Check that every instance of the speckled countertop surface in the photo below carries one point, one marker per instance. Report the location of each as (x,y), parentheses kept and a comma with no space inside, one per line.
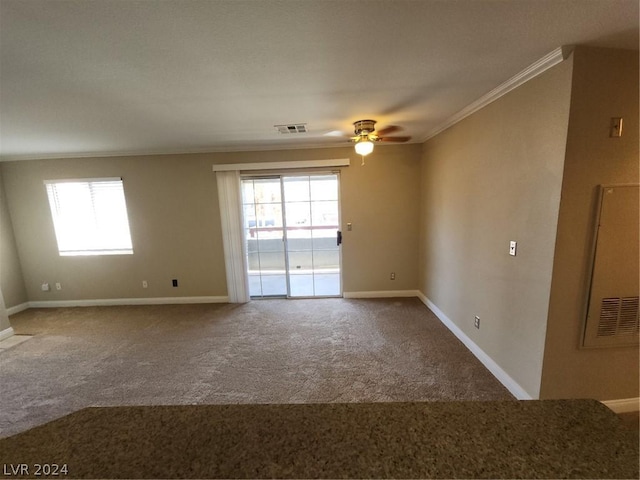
(510,439)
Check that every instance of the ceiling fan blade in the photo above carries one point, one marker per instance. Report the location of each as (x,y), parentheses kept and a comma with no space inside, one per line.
(387,130)
(394,139)
(336,133)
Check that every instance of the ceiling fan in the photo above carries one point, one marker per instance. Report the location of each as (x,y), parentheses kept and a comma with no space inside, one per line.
(366,135)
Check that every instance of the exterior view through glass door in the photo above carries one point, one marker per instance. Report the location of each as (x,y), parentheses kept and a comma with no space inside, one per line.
(292,232)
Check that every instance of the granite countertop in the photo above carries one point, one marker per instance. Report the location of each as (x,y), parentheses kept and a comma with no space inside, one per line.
(509,439)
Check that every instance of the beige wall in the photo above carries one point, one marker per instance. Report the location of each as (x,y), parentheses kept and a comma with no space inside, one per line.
(605,85)
(382,201)
(172,207)
(11,281)
(172,203)
(491,178)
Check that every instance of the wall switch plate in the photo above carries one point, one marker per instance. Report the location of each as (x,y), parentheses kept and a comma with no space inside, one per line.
(512,247)
(476,322)
(144,284)
(58,286)
(45,287)
(349,227)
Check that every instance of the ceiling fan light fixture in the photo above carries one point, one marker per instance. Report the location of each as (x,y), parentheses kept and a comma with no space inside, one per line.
(364,147)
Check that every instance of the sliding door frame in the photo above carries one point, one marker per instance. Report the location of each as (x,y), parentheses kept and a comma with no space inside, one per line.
(285,233)
(233,242)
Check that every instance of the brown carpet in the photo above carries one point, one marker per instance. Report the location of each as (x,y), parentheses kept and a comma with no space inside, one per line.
(535,439)
(275,351)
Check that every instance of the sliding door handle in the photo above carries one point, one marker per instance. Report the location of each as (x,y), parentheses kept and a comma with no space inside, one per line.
(339,238)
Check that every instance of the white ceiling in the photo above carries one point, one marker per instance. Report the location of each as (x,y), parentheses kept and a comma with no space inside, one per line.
(159,76)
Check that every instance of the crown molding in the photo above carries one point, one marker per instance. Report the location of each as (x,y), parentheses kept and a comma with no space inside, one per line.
(545,63)
(209,150)
(148,153)
(551,59)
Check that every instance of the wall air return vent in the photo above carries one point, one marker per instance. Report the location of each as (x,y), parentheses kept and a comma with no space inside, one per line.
(618,316)
(612,315)
(292,128)
(628,321)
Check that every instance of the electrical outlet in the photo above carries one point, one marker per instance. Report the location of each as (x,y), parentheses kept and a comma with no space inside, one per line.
(58,286)
(45,287)
(144,284)
(476,322)
(393,275)
(513,245)
(174,282)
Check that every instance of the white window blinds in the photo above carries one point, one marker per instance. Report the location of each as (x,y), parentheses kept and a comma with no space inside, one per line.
(90,216)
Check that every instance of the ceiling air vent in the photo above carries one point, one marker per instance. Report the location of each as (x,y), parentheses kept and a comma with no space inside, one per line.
(618,316)
(292,128)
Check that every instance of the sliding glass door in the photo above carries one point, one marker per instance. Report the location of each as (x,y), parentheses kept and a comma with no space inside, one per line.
(292,233)
(264,227)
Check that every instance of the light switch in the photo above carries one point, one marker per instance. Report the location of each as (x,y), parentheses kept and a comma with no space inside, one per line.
(512,247)
(349,227)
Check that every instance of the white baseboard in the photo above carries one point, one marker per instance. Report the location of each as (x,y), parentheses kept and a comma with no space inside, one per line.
(6,333)
(624,405)
(17,308)
(497,371)
(381,294)
(126,301)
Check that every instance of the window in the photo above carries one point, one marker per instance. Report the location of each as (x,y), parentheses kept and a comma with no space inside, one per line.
(90,216)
